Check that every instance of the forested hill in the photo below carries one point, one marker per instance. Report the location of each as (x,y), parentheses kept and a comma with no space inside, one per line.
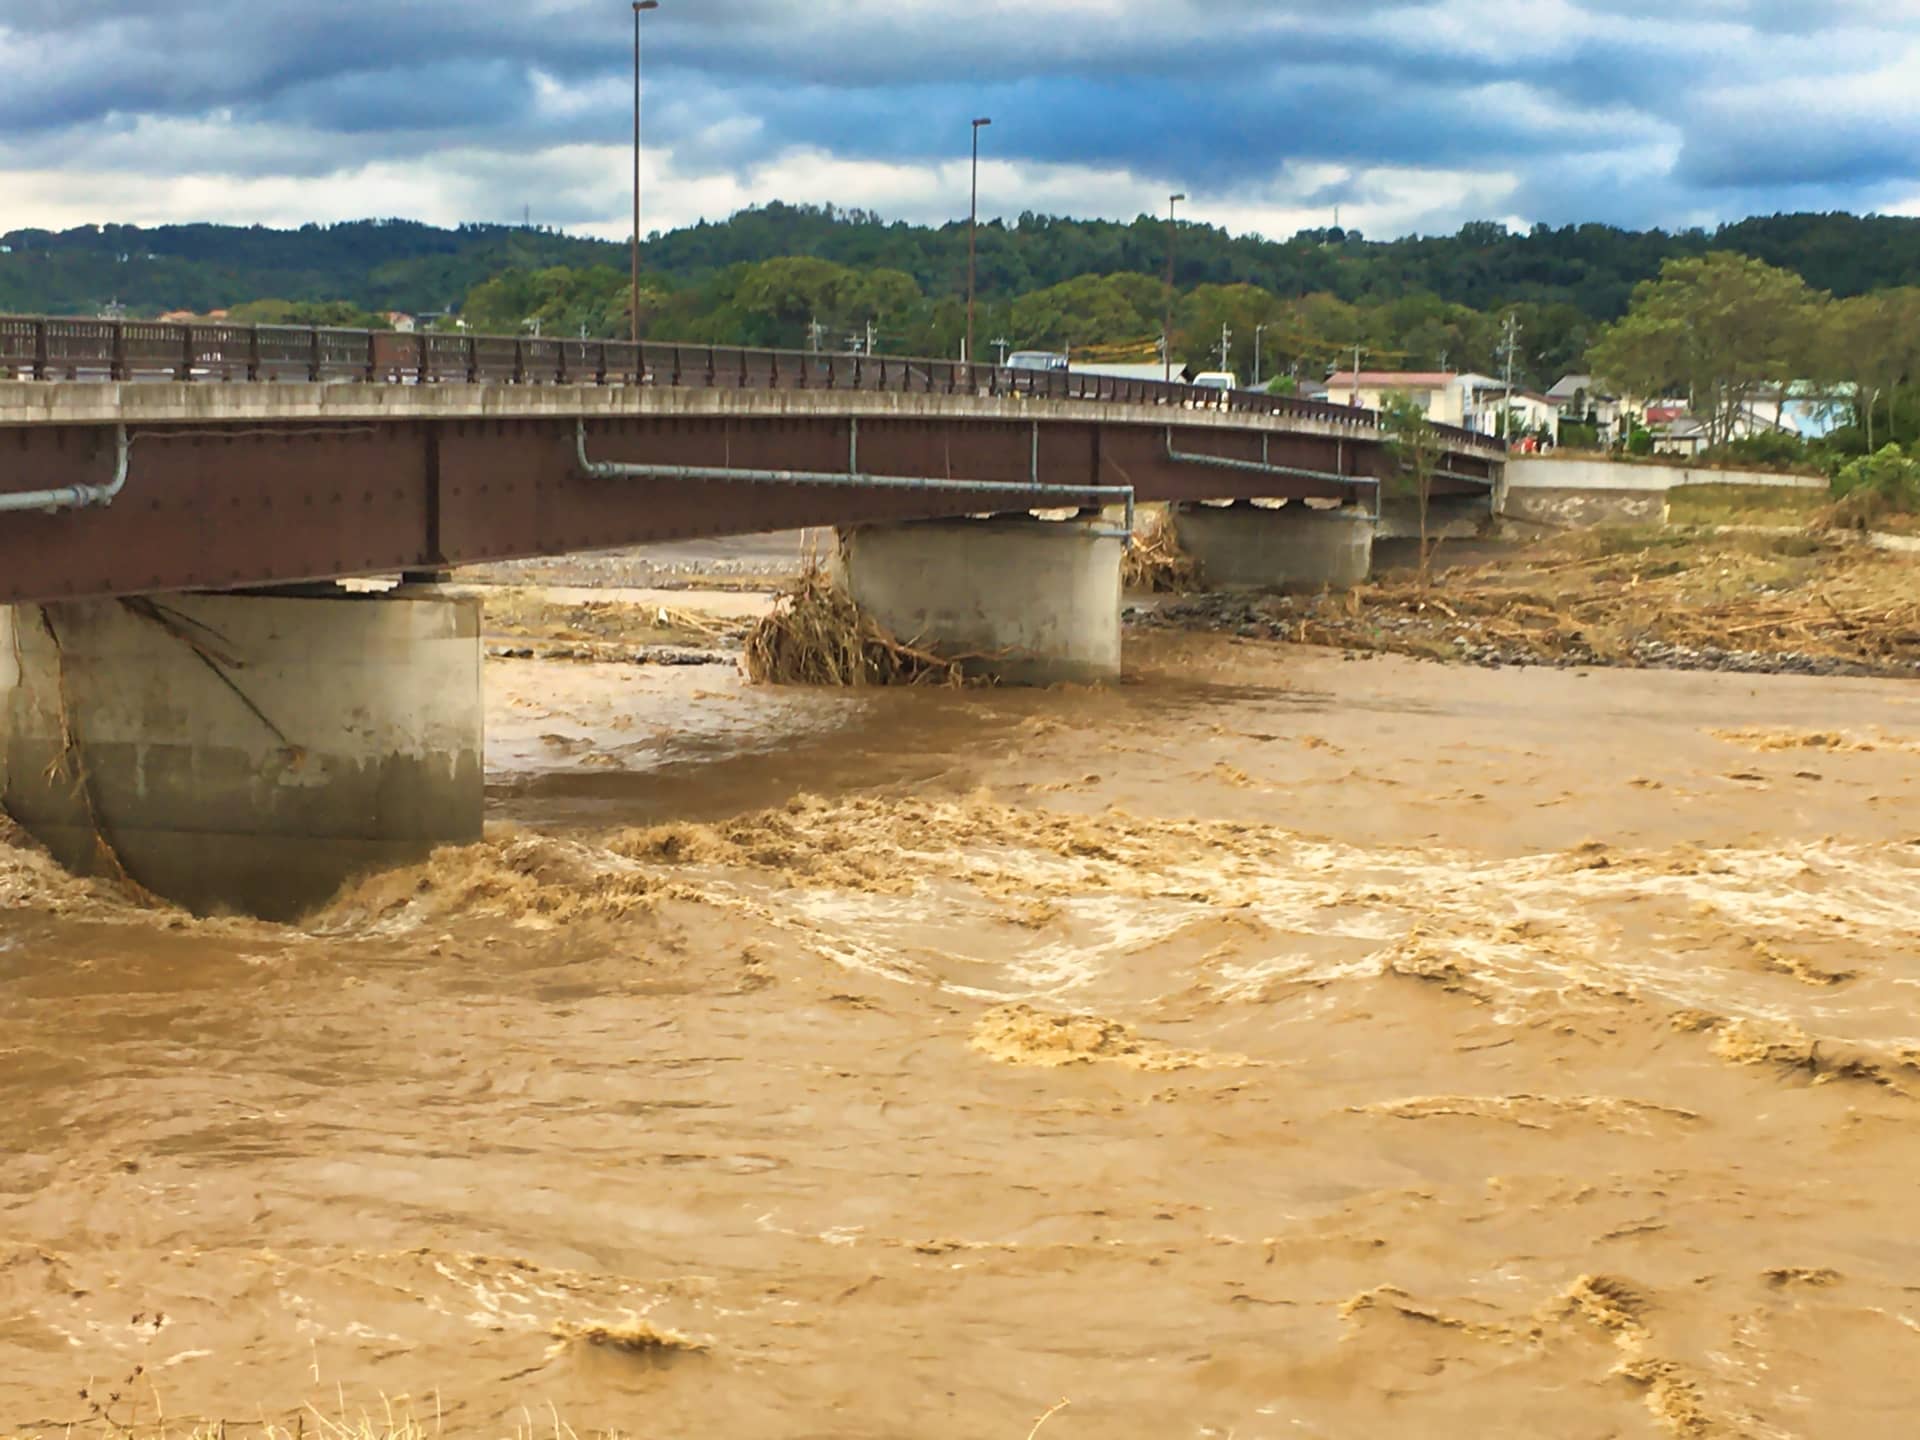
(376,264)
(402,265)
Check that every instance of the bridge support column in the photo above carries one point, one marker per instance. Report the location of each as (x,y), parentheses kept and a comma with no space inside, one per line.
(1396,543)
(1041,597)
(1296,547)
(244,752)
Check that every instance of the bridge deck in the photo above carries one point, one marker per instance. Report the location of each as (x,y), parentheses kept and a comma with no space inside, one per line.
(235,483)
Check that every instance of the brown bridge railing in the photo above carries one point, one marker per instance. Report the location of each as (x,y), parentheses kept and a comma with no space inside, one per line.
(43,348)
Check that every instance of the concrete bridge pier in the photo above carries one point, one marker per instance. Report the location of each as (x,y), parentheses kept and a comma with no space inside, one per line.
(1041,598)
(244,752)
(1396,541)
(1294,547)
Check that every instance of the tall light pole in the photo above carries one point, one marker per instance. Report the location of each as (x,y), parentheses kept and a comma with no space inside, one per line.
(633,297)
(973,225)
(1166,323)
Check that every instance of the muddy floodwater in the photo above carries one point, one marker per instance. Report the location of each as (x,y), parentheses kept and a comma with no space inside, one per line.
(1275,1045)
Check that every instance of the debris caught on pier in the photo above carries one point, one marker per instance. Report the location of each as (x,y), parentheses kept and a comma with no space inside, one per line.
(816,635)
(1155,564)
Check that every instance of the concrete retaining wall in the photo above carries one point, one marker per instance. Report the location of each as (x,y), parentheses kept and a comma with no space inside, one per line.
(1293,548)
(1575,493)
(1042,596)
(1576,509)
(1542,474)
(307,738)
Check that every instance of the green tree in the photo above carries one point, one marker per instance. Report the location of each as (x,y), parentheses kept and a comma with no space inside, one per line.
(1717,328)
(1093,310)
(1416,448)
(558,301)
(1868,346)
(1241,309)
(341,314)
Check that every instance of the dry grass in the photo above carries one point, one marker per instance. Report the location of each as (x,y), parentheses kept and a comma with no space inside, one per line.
(816,635)
(517,611)
(1783,505)
(1155,564)
(1867,509)
(1597,594)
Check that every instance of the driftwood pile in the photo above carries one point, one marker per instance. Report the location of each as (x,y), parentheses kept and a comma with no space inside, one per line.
(816,635)
(1155,564)
(1809,598)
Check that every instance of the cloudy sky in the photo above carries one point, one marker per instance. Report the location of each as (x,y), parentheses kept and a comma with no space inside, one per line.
(1409,115)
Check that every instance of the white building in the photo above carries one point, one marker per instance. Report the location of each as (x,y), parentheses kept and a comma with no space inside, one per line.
(1439,392)
(1460,398)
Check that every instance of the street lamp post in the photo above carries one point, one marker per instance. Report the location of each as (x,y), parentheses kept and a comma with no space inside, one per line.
(973,225)
(1166,323)
(633,296)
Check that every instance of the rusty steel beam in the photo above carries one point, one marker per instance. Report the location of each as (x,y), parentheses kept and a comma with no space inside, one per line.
(230,507)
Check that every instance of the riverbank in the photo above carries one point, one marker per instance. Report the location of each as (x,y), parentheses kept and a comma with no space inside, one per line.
(1666,598)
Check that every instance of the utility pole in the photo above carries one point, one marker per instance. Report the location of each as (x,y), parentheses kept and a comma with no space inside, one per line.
(633,297)
(1226,344)
(1000,343)
(1510,344)
(1356,374)
(1257,331)
(973,226)
(1166,323)
(815,331)
(869,337)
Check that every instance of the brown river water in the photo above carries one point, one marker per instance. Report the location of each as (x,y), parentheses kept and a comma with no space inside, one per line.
(1274,1045)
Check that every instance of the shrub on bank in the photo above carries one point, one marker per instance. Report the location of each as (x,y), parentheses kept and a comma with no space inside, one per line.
(1769,450)
(1876,486)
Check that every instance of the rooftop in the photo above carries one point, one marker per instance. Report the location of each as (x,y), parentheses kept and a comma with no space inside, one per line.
(1391,379)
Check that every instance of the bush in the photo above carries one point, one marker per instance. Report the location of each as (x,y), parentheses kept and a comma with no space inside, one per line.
(1875,486)
(1640,442)
(1845,440)
(1575,436)
(1769,450)
(1891,475)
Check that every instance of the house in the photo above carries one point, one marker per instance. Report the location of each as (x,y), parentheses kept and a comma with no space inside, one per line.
(1460,398)
(1674,430)
(1805,408)
(1580,401)
(1441,393)
(400,321)
(1526,412)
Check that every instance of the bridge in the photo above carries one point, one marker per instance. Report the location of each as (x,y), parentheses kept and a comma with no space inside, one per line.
(145,458)
(181,698)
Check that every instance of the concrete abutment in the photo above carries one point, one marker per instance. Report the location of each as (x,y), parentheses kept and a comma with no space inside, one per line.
(1039,599)
(245,752)
(1294,547)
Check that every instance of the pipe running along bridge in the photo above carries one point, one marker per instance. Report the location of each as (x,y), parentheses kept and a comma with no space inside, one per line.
(138,458)
(180,699)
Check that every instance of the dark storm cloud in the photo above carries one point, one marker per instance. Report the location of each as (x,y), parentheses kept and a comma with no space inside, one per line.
(1220,95)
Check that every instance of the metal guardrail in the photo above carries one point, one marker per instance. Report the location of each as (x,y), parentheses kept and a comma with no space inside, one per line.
(55,349)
